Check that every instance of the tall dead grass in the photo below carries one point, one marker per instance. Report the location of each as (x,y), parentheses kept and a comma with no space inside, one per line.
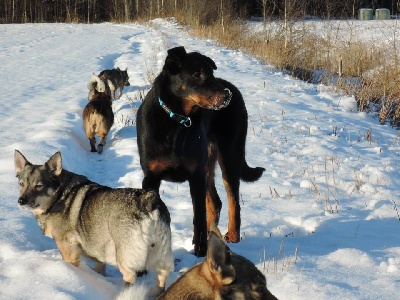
(366,70)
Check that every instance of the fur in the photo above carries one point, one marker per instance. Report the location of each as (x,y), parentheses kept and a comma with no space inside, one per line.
(126,227)
(98,118)
(115,79)
(96,85)
(222,275)
(188,121)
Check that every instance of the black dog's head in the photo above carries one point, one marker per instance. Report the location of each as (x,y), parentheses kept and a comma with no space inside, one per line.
(192,80)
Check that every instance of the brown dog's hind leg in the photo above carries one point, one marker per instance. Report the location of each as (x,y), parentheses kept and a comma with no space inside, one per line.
(102,142)
(100,148)
(92,142)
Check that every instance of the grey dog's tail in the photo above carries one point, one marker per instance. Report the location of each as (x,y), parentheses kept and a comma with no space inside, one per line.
(250,174)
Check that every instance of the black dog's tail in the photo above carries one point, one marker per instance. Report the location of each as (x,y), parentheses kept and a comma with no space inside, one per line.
(250,174)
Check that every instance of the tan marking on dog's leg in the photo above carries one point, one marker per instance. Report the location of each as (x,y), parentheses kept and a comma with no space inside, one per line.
(212,216)
(127,275)
(162,276)
(157,166)
(213,202)
(70,251)
(232,235)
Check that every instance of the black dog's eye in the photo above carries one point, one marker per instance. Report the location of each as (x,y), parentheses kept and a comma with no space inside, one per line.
(197,75)
(39,186)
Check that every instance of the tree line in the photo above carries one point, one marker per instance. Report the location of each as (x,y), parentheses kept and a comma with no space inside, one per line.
(204,11)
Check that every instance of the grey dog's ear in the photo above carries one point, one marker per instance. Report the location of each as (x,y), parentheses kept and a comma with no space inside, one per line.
(175,58)
(54,164)
(19,161)
(218,260)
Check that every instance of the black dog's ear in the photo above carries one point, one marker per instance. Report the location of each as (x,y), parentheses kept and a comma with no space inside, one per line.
(211,62)
(174,60)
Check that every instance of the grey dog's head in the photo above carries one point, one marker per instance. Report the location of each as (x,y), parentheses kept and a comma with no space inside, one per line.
(125,77)
(37,183)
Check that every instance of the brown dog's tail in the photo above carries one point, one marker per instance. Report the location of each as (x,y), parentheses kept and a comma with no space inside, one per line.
(250,174)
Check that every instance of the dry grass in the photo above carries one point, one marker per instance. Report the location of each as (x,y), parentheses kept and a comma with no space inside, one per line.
(369,72)
(280,263)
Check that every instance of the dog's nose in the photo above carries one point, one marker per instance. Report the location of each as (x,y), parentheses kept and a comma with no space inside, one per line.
(22,201)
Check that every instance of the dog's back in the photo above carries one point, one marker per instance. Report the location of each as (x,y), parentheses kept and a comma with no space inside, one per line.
(126,227)
(98,118)
(115,79)
(222,275)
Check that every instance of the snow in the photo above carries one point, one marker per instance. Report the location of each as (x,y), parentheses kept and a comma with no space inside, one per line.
(322,223)
(373,32)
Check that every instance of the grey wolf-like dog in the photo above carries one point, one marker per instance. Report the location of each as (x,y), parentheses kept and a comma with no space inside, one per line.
(115,79)
(126,227)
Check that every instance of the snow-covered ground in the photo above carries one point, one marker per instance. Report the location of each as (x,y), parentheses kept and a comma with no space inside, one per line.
(375,32)
(322,223)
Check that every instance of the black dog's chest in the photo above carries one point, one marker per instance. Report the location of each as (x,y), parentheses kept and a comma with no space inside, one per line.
(189,144)
(182,154)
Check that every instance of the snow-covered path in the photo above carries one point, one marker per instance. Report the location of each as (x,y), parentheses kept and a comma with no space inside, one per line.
(322,223)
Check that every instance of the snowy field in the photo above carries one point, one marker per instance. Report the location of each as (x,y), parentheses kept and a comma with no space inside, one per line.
(323,222)
(374,32)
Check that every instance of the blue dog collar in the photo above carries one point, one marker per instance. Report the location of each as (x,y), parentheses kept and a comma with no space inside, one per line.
(185,121)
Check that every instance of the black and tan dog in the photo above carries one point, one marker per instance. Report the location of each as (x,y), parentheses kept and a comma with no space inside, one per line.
(98,118)
(188,121)
(222,275)
(125,227)
(115,79)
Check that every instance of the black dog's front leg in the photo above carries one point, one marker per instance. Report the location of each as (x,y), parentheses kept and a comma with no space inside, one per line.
(151,182)
(198,194)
